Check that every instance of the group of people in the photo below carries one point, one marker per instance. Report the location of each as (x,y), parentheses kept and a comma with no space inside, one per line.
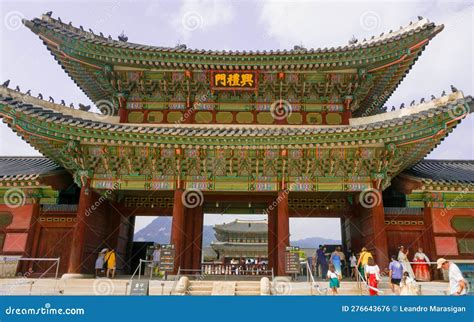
(403,277)
(106,263)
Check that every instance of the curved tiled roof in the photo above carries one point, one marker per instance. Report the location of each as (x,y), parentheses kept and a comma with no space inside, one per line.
(76,33)
(87,120)
(89,59)
(25,168)
(244,226)
(447,171)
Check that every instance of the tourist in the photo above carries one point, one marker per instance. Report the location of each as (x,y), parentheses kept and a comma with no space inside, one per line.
(457,283)
(422,267)
(353,263)
(395,274)
(334,278)
(110,260)
(403,258)
(99,263)
(156,257)
(336,259)
(321,261)
(408,285)
(372,275)
(364,257)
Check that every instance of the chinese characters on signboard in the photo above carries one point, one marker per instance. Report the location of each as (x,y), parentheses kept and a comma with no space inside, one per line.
(292,260)
(167,258)
(234,80)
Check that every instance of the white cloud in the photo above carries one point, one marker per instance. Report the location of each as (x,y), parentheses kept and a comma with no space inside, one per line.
(201,15)
(446,60)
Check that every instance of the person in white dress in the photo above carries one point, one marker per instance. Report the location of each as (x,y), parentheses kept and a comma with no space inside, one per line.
(408,285)
(403,259)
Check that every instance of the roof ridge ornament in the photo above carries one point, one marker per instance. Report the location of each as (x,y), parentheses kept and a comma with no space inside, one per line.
(123,37)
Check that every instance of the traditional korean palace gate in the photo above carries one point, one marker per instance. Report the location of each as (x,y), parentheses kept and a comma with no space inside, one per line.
(291,133)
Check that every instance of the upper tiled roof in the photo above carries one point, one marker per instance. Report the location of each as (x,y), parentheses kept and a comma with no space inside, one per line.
(244,226)
(25,168)
(448,171)
(69,30)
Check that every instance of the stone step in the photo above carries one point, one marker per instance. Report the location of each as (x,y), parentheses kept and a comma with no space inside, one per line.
(199,293)
(248,293)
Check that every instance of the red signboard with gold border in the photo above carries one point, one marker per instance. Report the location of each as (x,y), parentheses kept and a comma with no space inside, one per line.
(234,80)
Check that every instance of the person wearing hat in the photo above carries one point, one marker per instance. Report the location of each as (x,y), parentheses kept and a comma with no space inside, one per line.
(457,283)
(99,263)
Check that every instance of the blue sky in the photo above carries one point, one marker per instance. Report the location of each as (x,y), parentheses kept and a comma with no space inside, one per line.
(245,25)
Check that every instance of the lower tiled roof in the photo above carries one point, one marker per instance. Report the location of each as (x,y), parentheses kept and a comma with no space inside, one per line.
(448,171)
(25,168)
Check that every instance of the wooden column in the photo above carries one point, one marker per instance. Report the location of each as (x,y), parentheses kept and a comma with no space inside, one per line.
(272,239)
(77,248)
(32,239)
(188,238)
(283,229)
(177,228)
(379,234)
(197,242)
(428,239)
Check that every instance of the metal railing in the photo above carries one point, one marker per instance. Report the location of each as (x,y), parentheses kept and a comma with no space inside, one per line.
(27,279)
(313,284)
(175,282)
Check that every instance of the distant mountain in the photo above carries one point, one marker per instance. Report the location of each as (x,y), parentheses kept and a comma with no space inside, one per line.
(314,242)
(159,231)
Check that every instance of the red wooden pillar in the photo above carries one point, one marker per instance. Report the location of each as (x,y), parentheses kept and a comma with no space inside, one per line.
(379,234)
(197,242)
(177,228)
(272,239)
(77,248)
(283,229)
(188,238)
(428,238)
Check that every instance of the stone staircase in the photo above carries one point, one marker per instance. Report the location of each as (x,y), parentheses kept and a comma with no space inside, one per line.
(240,288)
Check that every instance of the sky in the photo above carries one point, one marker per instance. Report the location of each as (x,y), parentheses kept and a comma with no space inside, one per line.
(245,25)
